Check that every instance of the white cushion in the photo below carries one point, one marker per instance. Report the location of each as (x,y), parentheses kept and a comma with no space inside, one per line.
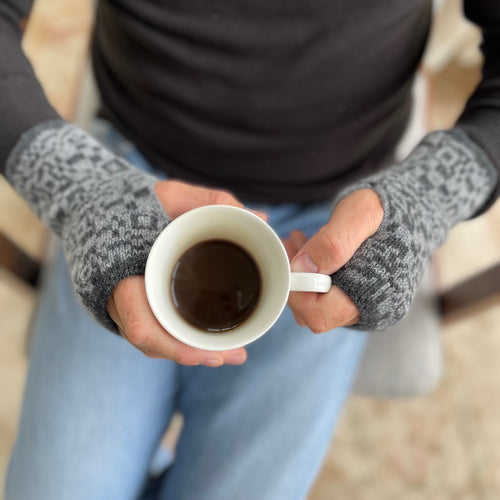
(405,360)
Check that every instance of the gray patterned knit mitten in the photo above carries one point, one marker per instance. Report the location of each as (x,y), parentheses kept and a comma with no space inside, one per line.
(445,180)
(104,209)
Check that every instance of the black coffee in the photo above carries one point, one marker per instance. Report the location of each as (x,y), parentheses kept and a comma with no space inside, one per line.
(215,285)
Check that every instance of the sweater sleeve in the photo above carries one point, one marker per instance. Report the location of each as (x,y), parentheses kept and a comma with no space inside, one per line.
(481,116)
(23,103)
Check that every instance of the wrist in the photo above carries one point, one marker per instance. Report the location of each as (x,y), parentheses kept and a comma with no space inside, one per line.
(62,172)
(443,181)
(104,209)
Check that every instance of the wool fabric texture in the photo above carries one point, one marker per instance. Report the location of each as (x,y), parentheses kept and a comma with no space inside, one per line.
(445,180)
(108,216)
(104,209)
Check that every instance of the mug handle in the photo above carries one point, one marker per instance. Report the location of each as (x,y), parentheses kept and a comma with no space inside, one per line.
(310,282)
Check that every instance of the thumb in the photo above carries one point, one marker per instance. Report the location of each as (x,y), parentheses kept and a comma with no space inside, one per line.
(356,218)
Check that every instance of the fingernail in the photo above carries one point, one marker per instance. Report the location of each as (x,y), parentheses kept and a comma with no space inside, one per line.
(236,359)
(303,264)
(212,362)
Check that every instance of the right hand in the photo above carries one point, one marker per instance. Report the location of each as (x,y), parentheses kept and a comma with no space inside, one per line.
(129,307)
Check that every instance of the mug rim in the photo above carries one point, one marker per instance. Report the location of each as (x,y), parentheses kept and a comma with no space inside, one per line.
(206,340)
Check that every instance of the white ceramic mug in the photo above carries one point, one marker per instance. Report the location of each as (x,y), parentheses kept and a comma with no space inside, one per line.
(237,225)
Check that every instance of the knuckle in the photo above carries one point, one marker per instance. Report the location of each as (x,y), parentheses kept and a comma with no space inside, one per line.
(372,208)
(136,334)
(318,324)
(176,354)
(149,353)
(337,248)
(181,357)
(222,198)
(301,303)
(345,315)
(298,319)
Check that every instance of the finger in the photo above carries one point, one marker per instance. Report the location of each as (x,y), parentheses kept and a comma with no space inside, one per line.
(356,218)
(178,197)
(258,213)
(298,318)
(141,328)
(298,238)
(324,312)
(294,243)
(290,249)
(113,313)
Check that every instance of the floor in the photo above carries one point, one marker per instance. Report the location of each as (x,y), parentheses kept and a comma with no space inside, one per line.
(440,447)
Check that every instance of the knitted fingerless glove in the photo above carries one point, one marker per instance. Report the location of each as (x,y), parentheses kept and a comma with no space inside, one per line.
(445,180)
(104,209)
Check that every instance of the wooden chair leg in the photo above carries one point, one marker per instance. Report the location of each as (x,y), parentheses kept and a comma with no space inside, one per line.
(18,262)
(474,294)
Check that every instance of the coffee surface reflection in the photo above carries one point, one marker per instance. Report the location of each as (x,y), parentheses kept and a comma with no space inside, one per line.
(216,285)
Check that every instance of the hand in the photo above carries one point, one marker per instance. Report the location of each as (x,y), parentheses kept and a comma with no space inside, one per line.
(129,307)
(356,218)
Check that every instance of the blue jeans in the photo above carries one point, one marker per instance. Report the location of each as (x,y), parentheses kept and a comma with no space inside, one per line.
(95,408)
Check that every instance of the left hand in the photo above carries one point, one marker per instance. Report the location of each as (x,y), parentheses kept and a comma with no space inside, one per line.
(129,307)
(356,218)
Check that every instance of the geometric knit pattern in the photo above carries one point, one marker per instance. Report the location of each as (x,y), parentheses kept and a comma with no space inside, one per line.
(446,179)
(104,209)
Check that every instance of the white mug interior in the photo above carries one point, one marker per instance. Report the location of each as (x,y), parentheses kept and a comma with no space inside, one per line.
(226,223)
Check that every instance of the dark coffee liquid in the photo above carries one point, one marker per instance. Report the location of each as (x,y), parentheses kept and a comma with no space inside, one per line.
(215,285)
